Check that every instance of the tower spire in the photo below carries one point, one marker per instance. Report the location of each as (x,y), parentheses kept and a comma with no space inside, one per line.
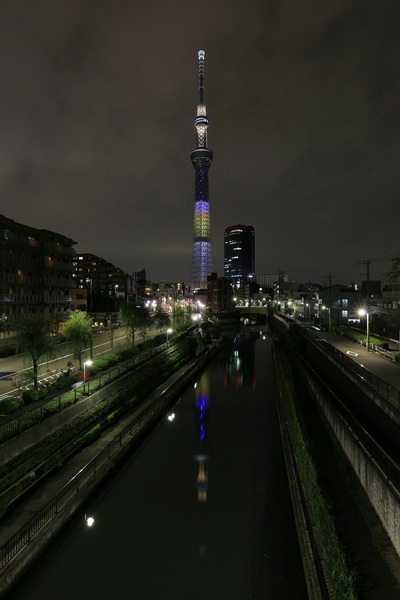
(201,158)
(201,55)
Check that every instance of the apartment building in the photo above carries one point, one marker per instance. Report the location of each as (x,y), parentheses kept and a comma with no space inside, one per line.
(36,267)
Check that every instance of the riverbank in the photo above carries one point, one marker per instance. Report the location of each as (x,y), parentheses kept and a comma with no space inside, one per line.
(14,525)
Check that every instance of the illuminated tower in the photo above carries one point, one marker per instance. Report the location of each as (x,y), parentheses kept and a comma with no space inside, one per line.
(201,158)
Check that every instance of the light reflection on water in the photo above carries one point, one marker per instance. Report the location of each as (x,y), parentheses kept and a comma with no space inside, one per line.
(201,511)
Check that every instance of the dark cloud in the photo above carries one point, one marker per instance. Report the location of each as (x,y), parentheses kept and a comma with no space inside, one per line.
(96,128)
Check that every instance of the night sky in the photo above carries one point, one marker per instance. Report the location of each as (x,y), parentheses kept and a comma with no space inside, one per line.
(97,106)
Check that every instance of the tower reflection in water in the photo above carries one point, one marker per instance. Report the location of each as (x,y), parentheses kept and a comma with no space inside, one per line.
(202,453)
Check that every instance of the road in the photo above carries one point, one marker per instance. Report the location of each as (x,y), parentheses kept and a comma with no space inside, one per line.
(14,369)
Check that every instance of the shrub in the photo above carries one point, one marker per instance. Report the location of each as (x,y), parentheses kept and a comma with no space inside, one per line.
(29,396)
(10,405)
(125,354)
(63,382)
(93,434)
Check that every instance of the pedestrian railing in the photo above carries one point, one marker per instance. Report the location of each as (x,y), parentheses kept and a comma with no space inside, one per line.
(158,403)
(379,385)
(30,417)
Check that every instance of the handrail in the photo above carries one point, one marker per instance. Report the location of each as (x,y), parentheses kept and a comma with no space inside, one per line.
(30,417)
(162,396)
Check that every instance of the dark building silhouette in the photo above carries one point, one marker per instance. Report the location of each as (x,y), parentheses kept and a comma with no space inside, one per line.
(219,293)
(239,254)
(106,285)
(138,283)
(201,158)
(36,267)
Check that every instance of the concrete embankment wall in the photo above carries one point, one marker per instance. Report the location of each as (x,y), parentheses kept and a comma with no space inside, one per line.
(31,436)
(26,554)
(383,497)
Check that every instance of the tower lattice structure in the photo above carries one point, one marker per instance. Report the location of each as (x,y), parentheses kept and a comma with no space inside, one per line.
(201,158)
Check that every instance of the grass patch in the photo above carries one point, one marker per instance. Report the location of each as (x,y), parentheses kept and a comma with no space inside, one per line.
(340,577)
(55,449)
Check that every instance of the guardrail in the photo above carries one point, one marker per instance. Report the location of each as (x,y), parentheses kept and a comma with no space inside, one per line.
(30,417)
(373,452)
(386,353)
(70,490)
(382,387)
(98,464)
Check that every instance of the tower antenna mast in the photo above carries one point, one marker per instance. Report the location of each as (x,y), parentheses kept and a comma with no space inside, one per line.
(201,56)
(201,158)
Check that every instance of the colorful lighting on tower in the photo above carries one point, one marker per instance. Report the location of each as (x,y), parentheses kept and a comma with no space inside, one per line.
(201,158)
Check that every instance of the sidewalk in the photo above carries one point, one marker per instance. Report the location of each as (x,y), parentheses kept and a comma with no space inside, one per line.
(12,522)
(376,363)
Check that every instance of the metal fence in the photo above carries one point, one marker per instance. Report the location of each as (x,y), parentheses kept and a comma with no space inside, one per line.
(30,417)
(157,403)
(85,475)
(372,451)
(382,387)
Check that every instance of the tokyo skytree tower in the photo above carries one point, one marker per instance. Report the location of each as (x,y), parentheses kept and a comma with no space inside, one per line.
(201,158)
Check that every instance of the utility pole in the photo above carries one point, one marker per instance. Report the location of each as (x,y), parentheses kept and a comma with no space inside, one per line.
(367,263)
(329,277)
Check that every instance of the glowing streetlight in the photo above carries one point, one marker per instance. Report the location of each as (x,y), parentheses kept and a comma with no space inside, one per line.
(363,312)
(89,521)
(169,331)
(86,363)
(309,311)
(115,296)
(90,280)
(329,316)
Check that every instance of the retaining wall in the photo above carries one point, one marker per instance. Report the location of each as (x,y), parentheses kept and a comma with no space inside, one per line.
(382,495)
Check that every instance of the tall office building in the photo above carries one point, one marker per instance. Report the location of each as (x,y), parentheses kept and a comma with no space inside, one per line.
(239,254)
(201,158)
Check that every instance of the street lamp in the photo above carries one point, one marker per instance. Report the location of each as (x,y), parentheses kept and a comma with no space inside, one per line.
(86,363)
(329,316)
(90,280)
(115,296)
(309,311)
(168,332)
(363,312)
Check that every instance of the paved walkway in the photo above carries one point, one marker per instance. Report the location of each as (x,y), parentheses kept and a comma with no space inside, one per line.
(384,368)
(14,520)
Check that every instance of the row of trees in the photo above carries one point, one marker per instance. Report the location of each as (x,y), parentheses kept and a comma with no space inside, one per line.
(36,340)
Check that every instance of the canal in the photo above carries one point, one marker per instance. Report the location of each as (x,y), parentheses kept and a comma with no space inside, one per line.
(202,510)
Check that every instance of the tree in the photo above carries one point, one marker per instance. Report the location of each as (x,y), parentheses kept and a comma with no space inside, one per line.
(160,319)
(178,314)
(133,317)
(34,339)
(78,330)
